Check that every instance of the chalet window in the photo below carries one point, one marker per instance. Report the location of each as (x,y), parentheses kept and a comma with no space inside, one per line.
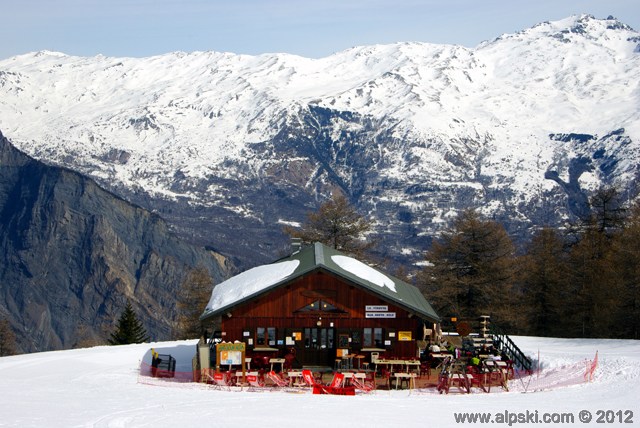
(319,338)
(367,337)
(377,337)
(260,336)
(266,336)
(372,337)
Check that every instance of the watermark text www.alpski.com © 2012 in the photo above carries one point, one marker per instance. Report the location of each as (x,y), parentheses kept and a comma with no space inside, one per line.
(536,417)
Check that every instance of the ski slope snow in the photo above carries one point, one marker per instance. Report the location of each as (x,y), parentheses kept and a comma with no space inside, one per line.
(102,387)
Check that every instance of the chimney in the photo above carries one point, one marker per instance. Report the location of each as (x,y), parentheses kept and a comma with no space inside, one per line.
(296,245)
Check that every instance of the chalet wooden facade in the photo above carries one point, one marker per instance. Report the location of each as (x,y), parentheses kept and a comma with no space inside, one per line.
(321,305)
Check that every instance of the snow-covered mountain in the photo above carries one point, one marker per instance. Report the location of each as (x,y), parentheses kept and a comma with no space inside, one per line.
(229,147)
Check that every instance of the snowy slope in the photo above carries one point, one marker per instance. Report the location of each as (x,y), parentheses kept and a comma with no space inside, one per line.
(99,387)
(407,127)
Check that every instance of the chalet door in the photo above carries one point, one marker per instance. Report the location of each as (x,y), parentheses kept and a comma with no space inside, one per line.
(319,346)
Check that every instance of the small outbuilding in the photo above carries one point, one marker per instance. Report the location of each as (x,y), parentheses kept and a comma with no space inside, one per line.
(321,306)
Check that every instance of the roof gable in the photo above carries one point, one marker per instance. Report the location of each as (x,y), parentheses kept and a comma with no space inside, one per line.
(261,279)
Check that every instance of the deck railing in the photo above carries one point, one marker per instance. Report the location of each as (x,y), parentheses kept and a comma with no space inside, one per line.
(502,341)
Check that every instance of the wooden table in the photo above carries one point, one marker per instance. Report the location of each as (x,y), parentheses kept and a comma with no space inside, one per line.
(440,357)
(412,363)
(392,363)
(280,361)
(295,378)
(410,377)
(349,375)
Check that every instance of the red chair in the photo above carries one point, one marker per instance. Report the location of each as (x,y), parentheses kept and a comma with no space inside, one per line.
(277,380)
(478,378)
(260,362)
(336,387)
(222,380)
(337,381)
(363,385)
(425,368)
(308,378)
(256,381)
(385,374)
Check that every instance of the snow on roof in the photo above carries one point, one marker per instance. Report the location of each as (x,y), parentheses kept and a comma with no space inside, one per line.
(364,272)
(249,282)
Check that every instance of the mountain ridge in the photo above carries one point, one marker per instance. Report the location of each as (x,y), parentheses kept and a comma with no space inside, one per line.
(411,132)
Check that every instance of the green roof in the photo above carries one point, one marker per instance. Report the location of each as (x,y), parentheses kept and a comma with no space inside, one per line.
(257,281)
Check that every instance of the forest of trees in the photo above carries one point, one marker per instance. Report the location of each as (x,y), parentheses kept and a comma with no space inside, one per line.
(579,281)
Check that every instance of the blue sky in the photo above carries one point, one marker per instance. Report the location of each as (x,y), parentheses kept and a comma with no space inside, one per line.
(309,28)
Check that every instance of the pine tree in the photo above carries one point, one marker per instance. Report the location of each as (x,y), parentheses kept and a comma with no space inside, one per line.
(607,210)
(594,286)
(129,329)
(336,224)
(596,282)
(544,284)
(470,270)
(626,260)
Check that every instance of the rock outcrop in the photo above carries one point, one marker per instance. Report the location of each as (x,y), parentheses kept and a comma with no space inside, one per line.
(72,254)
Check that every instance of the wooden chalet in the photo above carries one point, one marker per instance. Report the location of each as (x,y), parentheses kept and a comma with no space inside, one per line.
(321,305)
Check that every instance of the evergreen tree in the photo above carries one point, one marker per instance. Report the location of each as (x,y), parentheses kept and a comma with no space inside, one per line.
(470,270)
(626,264)
(593,287)
(336,224)
(544,284)
(7,339)
(607,210)
(195,293)
(596,284)
(129,329)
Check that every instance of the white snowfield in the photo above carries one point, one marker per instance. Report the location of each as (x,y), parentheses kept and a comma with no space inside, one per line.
(100,387)
(139,121)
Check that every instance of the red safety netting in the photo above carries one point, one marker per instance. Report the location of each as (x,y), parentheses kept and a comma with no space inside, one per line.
(147,371)
(556,377)
(525,381)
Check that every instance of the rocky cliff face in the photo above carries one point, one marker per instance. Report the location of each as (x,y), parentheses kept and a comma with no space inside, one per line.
(72,253)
